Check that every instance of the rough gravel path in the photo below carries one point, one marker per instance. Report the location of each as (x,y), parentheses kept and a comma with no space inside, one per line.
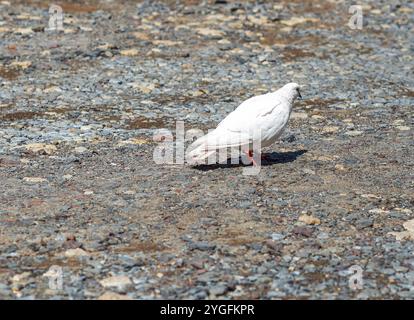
(80,194)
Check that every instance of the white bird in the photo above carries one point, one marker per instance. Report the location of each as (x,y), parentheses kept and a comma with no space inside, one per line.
(259,120)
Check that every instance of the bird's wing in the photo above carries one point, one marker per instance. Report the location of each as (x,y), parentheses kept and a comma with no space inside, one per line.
(250,114)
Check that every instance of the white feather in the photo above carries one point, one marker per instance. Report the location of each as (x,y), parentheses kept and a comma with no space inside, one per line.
(258,119)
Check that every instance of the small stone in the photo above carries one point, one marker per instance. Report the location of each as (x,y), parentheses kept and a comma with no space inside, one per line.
(403,128)
(119,282)
(34,179)
(339,167)
(80,150)
(129,52)
(330,129)
(324,158)
(85,128)
(354,133)
(277,236)
(309,219)
(25,16)
(273,245)
(198,264)
(23,31)
(308,171)
(38,29)
(167,43)
(143,87)
(323,236)
(378,211)
(21,64)
(141,35)
(41,148)
(404,210)
(88,192)
(290,138)
(215,34)
(318,117)
(298,20)
(225,44)
(304,231)
(78,252)
(409,225)
(108,295)
(218,290)
(370,195)
(406,10)
(198,93)
(260,21)
(52,89)
(403,235)
(20,277)
(69,30)
(364,223)
(87,29)
(202,245)
(299,115)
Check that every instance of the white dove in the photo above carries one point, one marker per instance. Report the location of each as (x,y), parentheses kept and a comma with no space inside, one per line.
(259,120)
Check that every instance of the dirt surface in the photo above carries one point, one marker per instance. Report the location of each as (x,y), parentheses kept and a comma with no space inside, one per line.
(83,202)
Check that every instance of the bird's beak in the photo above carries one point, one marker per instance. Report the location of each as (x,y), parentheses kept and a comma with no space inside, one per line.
(299,95)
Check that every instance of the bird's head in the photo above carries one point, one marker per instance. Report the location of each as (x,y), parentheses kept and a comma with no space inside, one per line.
(293,91)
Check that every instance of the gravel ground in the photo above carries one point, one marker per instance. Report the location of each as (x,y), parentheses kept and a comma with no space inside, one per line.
(82,201)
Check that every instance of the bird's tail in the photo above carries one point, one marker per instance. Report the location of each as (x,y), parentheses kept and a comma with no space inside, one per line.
(213,145)
(201,149)
(199,152)
(198,155)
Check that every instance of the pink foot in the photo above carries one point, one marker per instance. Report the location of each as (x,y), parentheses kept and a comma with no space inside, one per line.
(250,157)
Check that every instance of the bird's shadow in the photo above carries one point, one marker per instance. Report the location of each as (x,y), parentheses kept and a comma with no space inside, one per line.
(271,158)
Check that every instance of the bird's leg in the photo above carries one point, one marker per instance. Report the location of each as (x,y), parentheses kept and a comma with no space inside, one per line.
(249,154)
(252,158)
